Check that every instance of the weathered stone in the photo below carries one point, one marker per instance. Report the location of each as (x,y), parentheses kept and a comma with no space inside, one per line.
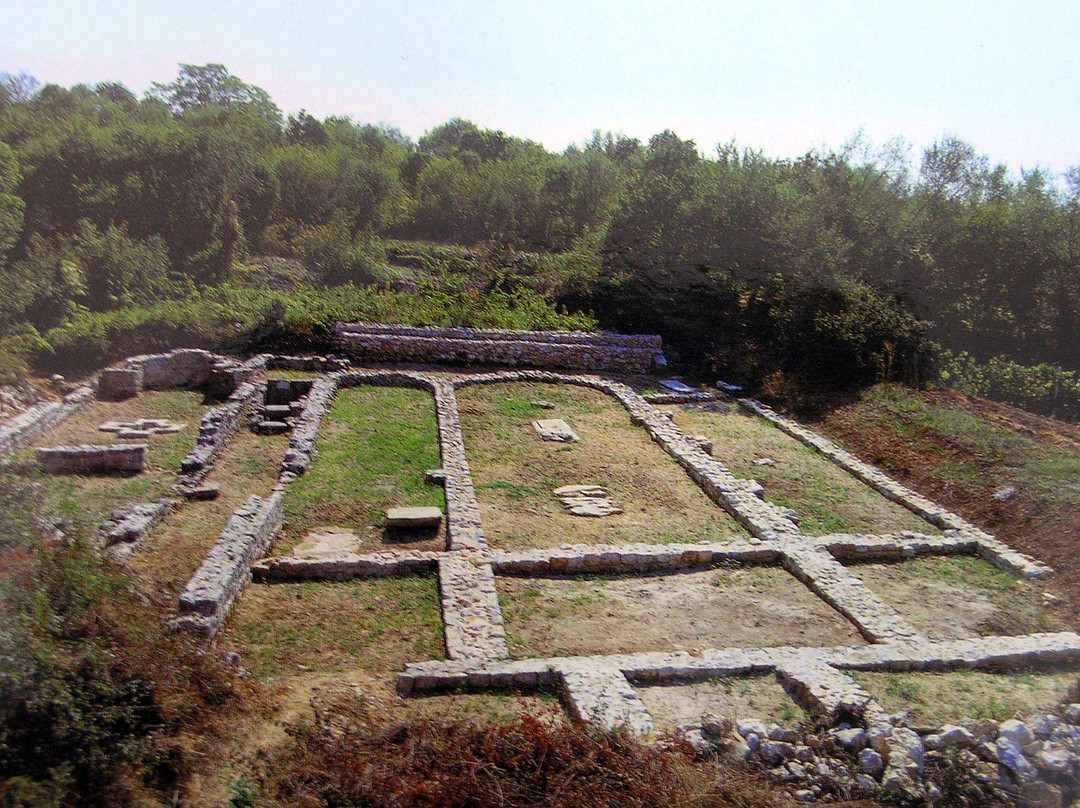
(1015,731)
(1011,756)
(555,429)
(1042,725)
(871,762)
(271,427)
(117,384)
(122,458)
(203,492)
(413,517)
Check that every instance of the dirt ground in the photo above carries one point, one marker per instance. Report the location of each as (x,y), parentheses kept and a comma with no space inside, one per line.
(734,698)
(827,499)
(515,472)
(712,608)
(173,551)
(959,450)
(952,597)
(932,699)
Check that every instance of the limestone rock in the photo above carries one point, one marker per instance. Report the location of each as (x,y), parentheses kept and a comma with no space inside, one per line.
(587,500)
(413,517)
(555,429)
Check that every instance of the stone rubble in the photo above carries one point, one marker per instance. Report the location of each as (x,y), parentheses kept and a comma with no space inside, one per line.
(35,421)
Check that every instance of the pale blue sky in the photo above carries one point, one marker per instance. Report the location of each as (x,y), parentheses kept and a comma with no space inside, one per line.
(782,76)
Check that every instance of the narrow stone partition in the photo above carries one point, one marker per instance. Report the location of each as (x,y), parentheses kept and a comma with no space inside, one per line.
(603,697)
(218,427)
(211,593)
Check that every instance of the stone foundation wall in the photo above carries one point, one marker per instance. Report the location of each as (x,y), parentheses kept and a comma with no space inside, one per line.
(117,384)
(309,364)
(34,422)
(92,459)
(188,368)
(209,596)
(218,427)
(538,349)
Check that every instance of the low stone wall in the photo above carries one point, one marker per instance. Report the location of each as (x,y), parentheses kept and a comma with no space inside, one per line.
(538,349)
(218,427)
(129,527)
(34,422)
(211,593)
(187,368)
(309,364)
(121,458)
(306,432)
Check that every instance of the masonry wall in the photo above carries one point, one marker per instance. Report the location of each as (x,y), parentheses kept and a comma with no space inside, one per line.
(536,349)
(39,419)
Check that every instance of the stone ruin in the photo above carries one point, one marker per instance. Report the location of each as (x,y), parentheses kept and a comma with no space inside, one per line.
(883,752)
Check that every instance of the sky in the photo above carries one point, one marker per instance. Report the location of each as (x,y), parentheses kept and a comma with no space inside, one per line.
(783,77)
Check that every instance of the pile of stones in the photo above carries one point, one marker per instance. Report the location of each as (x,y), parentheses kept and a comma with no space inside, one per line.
(1036,760)
(587,500)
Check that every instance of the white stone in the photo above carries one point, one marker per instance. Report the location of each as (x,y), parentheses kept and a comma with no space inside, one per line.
(555,429)
(1042,725)
(414,517)
(1015,731)
(1011,757)
(871,762)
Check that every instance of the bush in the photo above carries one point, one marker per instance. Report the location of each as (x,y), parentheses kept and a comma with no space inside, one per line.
(347,758)
(1041,388)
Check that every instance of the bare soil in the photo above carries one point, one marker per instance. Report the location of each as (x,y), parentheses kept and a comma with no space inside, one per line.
(953,597)
(733,698)
(515,472)
(687,611)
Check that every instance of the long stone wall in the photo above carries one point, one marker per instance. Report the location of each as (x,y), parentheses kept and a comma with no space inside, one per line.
(211,593)
(122,458)
(217,428)
(30,425)
(538,349)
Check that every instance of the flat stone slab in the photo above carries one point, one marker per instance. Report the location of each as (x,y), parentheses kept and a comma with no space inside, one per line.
(414,517)
(587,500)
(555,429)
(676,386)
(204,492)
(330,542)
(143,428)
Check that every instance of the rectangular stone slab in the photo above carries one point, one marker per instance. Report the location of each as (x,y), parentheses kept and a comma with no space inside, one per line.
(413,517)
(555,429)
(675,386)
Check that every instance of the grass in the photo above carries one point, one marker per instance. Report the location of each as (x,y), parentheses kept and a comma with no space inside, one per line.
(374,447)
(250,464)
(84,502)
(826,498)
(937,698)
(275,374)
(370,625)
(729,697)
(949,597)
(732,607)
(515,472)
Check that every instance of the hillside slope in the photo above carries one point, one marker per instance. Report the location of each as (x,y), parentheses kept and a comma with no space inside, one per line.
(962,451)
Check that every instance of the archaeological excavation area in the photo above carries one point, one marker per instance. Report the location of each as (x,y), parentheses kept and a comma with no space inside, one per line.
(478,522)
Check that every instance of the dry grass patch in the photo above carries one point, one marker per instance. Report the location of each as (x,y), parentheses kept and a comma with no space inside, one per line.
(172,553)
(940,698)
(366,625)
(684,611)
(279,374)
(83,502)
(373,449)
(731,697)
(952,597)
(827,499)
(514,472)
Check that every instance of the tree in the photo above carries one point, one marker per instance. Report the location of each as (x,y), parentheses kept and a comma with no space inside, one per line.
(11,206)
(201,86)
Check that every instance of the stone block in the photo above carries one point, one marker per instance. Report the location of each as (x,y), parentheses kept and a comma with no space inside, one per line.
(120,458)
(116,384)
(555,429)
(413,517)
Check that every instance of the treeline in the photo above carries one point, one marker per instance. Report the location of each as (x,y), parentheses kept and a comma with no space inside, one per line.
(834,269)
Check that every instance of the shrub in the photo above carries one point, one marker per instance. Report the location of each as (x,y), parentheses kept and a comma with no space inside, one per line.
(1041,388)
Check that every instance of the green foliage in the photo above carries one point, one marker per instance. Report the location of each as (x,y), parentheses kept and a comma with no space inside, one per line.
(1040,388)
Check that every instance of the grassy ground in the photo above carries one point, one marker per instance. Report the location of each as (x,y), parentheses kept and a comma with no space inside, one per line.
(951,597)
(960,451)
(827,499)
(373,450)
(372,626)
(740,607)
(515,472)
(936,698)
(279,373)
(250,464)
(731,697)
(84,502)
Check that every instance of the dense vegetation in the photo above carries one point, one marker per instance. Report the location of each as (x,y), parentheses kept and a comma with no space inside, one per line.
(835,269)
